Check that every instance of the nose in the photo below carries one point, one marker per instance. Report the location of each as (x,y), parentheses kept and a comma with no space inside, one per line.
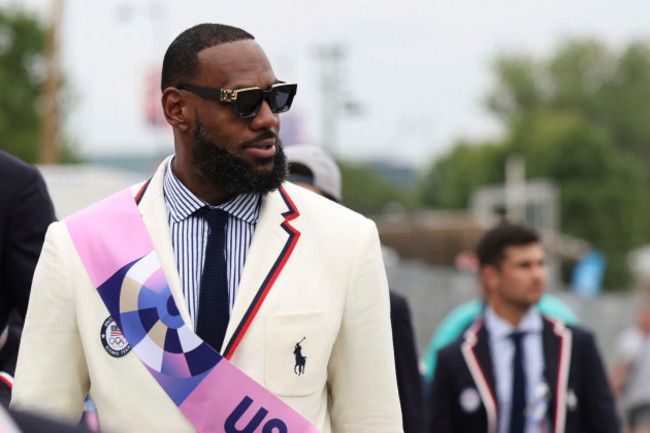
(265,119)
(540,272)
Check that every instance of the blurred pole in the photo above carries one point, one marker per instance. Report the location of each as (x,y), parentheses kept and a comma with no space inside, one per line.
(515,188)
(330,58)
(50,119)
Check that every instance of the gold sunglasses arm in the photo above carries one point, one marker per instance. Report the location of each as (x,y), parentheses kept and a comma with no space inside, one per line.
(228,95)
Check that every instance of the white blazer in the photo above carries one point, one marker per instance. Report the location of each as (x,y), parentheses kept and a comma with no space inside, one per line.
(331,289)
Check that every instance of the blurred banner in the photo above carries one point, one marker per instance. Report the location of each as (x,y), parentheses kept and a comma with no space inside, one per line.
(151,105)
(587,279)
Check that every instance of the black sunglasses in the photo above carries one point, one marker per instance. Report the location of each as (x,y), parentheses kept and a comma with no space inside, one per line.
(248,101)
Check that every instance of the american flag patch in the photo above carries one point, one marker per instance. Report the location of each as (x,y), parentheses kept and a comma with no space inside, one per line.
(115,331)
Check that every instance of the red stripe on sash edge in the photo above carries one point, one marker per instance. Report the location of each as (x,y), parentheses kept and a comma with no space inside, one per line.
(273,274)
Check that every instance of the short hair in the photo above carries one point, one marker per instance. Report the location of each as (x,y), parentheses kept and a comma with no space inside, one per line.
(491,248)
(181,62)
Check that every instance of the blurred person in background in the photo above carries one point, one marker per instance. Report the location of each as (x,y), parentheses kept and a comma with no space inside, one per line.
(631,373)
(12,421)
(214,291)
(312,168)
(25,213)
(515,370)
(461,317)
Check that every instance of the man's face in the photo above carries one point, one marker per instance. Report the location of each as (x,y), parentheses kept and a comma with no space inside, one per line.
(520,280)
(220,139)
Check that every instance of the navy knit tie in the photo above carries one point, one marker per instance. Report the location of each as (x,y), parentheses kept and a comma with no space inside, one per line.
(518,402)
(214,311)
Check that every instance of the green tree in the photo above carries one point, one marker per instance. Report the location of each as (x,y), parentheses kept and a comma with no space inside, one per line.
(22,76)
(602,190)
(603,195)
(609,88)
(22,41)
(452,179)
(579,118)
(367,192)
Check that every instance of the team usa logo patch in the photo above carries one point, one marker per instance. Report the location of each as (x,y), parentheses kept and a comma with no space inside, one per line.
(113,340)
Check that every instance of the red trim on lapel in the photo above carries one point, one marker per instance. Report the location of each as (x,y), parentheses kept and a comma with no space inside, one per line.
(140,193)
(480,379)
(564,359)
(273,274)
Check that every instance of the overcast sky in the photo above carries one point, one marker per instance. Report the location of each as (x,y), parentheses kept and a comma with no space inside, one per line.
(418,70)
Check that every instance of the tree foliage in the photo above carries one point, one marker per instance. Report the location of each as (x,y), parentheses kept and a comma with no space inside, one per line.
(579,118)
(23,71)
(610,89)
(367,192)
(22,41)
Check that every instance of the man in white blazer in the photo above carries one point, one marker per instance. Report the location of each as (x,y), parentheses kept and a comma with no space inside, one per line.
(309,310)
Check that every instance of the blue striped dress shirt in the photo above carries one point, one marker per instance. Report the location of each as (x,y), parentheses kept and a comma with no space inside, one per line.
(190,235)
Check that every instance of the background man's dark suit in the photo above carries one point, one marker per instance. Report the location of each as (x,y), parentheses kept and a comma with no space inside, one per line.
(590,406)
(409,381)
(30,423)
(25,213)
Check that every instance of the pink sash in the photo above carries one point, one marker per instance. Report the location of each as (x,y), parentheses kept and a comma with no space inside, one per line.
(214,395)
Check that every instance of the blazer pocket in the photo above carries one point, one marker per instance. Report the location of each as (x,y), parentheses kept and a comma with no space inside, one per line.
(297,353)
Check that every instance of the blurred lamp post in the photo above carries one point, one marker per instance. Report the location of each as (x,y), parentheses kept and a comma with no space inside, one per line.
(335,97)
(515,189)
(50,117)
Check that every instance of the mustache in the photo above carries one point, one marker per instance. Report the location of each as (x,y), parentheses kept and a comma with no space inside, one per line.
(262,136)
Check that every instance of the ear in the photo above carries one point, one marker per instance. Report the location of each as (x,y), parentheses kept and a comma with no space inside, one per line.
(489,277)
(177,112)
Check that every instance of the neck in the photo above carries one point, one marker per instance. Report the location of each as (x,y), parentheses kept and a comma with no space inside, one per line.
(200,186)
(510,313)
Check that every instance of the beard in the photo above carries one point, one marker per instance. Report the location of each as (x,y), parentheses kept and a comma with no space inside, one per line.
(230,172)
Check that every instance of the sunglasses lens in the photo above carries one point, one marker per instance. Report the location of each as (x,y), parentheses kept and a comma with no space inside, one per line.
(281,97)
(249,102)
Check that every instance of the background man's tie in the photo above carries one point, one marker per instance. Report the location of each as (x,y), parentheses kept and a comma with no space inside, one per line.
(518,403)
(214,311)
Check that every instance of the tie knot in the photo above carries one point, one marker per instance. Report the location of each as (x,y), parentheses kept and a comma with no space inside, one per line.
(517,336)
(215,217)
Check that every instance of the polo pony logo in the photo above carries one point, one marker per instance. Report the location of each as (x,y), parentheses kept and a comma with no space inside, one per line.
(300,360)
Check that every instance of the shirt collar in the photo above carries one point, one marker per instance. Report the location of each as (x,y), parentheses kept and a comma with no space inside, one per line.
(500,328)
(183,203)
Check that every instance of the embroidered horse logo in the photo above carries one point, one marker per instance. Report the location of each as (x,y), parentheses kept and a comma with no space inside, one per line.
(300,360)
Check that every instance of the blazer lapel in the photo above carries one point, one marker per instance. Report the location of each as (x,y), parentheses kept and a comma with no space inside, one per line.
(154,214)
(484,357)
(551,347)
(476,351)
(557,342)
(271,247)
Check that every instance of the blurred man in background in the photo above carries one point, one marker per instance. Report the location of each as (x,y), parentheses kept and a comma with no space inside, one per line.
(312,168)
(25,213)
(461,317)
(515,370)
(631,372)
